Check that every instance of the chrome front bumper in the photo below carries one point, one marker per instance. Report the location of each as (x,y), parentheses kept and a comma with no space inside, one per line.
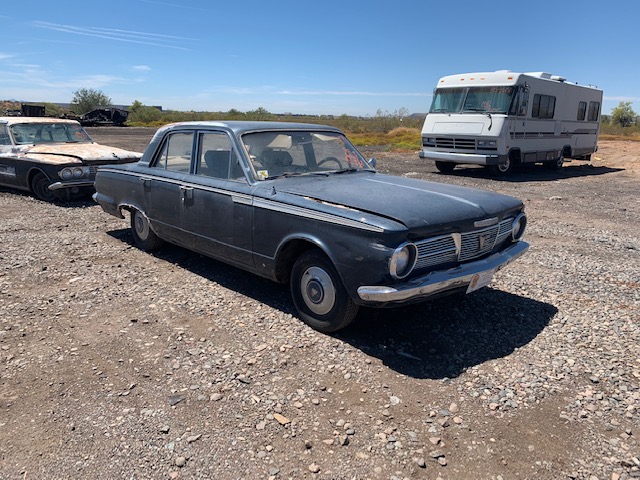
(71,184)
(469,158)
(435,283)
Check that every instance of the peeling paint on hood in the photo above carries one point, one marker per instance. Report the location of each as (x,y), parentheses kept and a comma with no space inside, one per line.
(66,153)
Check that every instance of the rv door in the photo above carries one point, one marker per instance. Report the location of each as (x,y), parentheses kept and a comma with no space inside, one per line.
(518,112)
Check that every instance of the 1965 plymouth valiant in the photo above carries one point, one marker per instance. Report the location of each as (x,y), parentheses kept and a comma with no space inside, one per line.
(298,203)
(53,158)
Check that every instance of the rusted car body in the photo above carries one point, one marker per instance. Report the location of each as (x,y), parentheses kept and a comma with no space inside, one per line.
(51,157)
(298,204)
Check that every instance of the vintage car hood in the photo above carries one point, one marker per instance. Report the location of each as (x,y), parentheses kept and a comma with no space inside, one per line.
(415,203)
(64,153)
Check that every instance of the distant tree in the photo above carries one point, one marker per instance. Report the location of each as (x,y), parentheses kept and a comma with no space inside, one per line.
(260,114)
(53,110)
(87,99)
(139,113)
(623,114)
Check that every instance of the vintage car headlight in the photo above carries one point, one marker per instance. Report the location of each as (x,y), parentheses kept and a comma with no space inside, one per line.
(518,227)
(403,260)
(68,173)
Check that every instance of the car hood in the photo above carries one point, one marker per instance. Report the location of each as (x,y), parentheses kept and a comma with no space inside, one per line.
(415,203)
(64,153)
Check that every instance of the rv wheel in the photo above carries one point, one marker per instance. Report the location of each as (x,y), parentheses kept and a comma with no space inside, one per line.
(554,164)
(503,168)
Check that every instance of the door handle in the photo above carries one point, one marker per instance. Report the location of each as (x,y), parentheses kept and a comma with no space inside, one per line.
(187,193)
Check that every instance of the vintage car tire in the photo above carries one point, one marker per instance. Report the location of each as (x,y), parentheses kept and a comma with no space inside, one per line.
(445,167)
(40,187)
(143,236)
(318,294)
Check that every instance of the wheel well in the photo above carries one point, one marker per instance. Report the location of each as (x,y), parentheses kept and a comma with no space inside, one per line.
(514,155)
(32,173)
(287,256)
(566,151)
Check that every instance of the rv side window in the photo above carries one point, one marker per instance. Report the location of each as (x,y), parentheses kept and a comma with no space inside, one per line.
(594,110)
(582,110)
(543,106)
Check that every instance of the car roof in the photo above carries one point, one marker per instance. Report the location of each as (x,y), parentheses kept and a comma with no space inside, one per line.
(240,126)
(15,120)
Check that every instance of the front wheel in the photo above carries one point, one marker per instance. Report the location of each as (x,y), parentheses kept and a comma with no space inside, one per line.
(143,236)
(445,167)
(318,294)
(503,168)
(40,187)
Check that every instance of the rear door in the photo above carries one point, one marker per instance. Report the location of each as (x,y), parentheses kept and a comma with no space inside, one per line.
(7,162)
(165,186)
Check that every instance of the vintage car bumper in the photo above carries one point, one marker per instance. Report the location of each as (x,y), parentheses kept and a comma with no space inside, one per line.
(71,184)
(439,282)
(470,158)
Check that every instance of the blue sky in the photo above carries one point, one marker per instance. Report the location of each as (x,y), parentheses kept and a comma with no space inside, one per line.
(329,57)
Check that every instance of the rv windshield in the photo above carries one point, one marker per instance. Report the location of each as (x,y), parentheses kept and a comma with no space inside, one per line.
(472,99)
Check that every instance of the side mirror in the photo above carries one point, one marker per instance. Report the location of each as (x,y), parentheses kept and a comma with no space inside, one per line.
(372,162)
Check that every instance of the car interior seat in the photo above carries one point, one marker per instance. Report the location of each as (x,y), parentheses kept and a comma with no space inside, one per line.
(217,163)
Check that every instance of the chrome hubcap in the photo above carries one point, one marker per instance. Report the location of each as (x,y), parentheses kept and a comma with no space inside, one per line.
(142,226)
(318,291)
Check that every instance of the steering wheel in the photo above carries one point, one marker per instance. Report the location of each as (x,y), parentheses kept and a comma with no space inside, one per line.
(330,159)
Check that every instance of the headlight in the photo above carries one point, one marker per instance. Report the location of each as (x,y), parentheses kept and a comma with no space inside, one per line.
(78,172)
(66,174)
(518,227)
(403,260)
(486,143)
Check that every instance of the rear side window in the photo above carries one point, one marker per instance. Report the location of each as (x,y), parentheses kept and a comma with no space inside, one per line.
(175,154)
(582,110)
(4,136)
(544,106)
(594,111)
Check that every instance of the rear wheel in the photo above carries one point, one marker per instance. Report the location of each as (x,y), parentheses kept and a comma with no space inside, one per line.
(318,294)
(445,167)
(554,164)
(40,187)
(142,234)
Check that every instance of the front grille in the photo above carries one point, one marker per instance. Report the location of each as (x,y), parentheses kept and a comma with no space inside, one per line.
(454,143)
(461,247)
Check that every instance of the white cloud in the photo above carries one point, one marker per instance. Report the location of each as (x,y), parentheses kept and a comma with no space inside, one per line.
(141,68)
(130,36)
(5,56)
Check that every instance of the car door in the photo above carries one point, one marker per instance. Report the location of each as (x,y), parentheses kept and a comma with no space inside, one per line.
(218,213)
(7,160)
(166,186)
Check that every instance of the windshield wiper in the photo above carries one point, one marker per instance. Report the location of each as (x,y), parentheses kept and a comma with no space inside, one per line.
(296,174)
(346,170)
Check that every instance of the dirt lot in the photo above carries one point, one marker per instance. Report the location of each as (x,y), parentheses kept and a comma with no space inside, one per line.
(120,364)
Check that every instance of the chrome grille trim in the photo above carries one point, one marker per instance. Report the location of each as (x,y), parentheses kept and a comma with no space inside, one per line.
(461,247)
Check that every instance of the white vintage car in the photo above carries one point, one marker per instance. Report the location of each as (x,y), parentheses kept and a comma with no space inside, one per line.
(51,157)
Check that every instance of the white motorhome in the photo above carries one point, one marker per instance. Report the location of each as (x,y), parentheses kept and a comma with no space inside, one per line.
(504,118)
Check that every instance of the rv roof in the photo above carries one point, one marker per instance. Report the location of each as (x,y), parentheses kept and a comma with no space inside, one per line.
(499,77)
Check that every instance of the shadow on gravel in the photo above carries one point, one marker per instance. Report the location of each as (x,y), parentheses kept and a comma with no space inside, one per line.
(437,340)
(534,173)
(443,338)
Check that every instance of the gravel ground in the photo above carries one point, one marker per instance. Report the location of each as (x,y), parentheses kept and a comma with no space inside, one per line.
(116,363)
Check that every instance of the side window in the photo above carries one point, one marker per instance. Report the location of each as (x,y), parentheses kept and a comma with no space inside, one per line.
(175,154)
(4,136)
(544,106)
(594,111)
(217,157)
(582,110)
(520,103)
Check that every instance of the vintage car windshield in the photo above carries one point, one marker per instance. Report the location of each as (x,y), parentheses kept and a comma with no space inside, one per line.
(39,133)
(494,99)
(299,152)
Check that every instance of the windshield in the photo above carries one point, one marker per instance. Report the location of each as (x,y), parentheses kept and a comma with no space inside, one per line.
(284,153)
(472,99)
(38,133)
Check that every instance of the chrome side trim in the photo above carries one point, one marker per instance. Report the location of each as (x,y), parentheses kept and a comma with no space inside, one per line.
(437,282)
(314,215)
(79,183)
